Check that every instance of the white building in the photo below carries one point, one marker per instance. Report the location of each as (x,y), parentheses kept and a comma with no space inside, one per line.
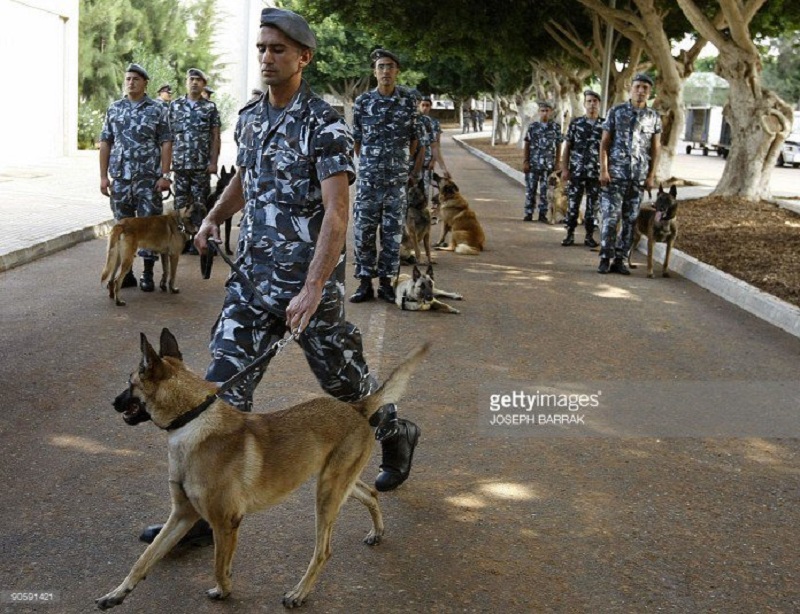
(39,64)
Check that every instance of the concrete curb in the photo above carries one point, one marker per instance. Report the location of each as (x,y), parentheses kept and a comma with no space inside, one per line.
(56,244)
(762,305)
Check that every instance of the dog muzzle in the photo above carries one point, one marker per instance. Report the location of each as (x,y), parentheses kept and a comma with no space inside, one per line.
(133,410)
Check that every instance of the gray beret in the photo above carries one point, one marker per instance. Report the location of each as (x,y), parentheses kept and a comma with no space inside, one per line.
(644,78)
(138,70)
(591,93)
(545,104)
(165,88)
(208,90)
(196,72)
(291,24)
(383,53)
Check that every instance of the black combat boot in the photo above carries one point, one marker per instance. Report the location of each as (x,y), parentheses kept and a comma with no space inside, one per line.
(364,291)
(619,267)
(570,238)
(398,452)
(146,280)
(385,290)
(528,218)
(199,535)
(129,281)
(543,218)
(589,240)
(605,265)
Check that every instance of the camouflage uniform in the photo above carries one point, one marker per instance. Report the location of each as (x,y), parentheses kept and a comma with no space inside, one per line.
(281,168)
(135,131)
(583,138)
(432,131)
(544,139)
(191,125)
(632,131)
(384,127)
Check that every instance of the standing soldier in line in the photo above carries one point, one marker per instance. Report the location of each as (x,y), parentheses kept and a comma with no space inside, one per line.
(582,168)
(629,153)
(542,149)
(433,149)
(386,129)
(165,94)
(195,125)
(136,152)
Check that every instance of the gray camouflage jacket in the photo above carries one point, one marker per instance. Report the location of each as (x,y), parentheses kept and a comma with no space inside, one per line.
(583,138)
(136,132)
(632,132)
(282,167)
(384,127)
(544,138)
(191,126)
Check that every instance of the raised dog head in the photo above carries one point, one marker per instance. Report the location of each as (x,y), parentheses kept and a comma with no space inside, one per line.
(222,183)
(666,204)
(448,188)
(416,196)
(422,288)
(143,384)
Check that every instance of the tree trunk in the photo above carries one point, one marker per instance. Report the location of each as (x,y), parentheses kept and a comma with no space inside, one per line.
(760,122)
(669,105)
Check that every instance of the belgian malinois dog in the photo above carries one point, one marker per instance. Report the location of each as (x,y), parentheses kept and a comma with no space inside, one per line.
(224,463)
(659,225)
(417,229)
(417,292)
(166,234)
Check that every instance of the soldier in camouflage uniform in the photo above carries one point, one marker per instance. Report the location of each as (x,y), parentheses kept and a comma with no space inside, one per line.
(629,152)
(542,157)
(136,152)
(386,129)
(294,165)
(195,126)
(433,150)
(165,94)
(582,170)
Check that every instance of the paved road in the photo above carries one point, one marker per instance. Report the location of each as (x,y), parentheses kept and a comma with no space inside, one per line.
(489,521)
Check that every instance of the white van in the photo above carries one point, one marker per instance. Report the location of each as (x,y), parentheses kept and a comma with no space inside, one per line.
(791,146)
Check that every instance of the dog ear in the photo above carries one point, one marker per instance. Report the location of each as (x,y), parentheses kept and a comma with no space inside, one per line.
(150,359)
(415,274)
(673,191)
(429,272)
(436,178)
(169,345)
(660,188)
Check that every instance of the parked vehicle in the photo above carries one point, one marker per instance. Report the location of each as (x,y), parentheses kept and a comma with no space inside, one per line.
(707,130)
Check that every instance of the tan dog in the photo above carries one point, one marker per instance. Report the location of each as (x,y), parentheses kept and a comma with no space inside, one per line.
(166,234)
(417,292)
(659,225)
(557,203)
(224,463)
(467,235)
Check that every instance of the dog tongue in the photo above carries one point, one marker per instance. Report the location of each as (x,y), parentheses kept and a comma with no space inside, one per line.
(658,216)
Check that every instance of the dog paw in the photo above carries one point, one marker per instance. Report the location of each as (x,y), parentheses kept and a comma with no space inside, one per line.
(373,538)
(294,598)
(458,297)
(175,290)
(113,598)
(649,276)
(455,311)
(217,594)
(665,274)
(120,303)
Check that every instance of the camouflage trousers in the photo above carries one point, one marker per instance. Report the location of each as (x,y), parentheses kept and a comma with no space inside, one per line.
(619,203)
(378,207)
(136,198)
(192,188)
(536,180)
(332,346)
(578,186)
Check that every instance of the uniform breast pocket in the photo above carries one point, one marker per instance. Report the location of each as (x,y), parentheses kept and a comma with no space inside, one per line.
(292,177)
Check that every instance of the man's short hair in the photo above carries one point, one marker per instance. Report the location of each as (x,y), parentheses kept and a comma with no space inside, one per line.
(426,99)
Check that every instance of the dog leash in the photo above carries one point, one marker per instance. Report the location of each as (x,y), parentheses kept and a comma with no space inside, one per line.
(273,351)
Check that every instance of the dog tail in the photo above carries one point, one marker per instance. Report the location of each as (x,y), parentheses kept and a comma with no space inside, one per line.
(467,250)
(394,387)
(112,259)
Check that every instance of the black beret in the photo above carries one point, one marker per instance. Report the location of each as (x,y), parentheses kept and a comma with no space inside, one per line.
(291,24)
(591,93)
(426,99)
(196,72)
(545,104)
(383,53)
(644,78)
(165,88)
(138,70)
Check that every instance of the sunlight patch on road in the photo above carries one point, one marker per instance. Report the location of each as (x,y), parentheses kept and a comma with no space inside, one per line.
(511,491)
(82,444)
(607,291)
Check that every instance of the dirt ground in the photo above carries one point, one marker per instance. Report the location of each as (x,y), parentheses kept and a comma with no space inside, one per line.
(758,243)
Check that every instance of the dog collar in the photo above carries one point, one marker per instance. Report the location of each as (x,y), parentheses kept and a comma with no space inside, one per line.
(190,415)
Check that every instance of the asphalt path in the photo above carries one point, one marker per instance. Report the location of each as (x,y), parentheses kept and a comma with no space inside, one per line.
(489,521)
